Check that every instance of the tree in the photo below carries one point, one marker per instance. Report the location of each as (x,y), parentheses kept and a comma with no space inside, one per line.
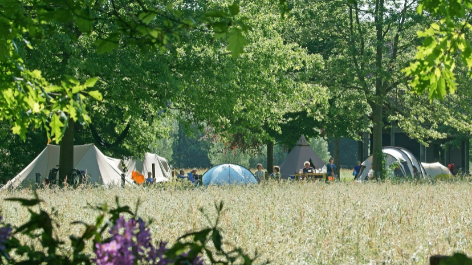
(320,146)
(370,42)
(346,109)
(244,100)
(218,154)
(433,70)
(113,24)
(192,150)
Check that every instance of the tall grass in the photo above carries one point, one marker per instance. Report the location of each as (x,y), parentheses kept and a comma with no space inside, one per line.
(293,223)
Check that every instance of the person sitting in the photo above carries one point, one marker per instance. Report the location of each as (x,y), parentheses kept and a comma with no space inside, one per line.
(149,178)
(259,174)
(308,168)
(182,175)
(276,174)
(194,173)
(357,168)
(370,175)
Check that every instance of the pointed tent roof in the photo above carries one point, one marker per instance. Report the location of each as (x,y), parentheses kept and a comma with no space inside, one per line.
(300,153)
(86,157)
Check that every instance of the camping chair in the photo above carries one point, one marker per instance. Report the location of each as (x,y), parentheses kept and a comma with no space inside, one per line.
(190,177)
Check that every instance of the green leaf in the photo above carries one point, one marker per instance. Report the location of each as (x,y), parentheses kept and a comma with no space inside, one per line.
(216,238)
(77,89)
(83,21)
(96,95)
(56,127)
(234,9)
(19,129)
(236,42)
(441,86)
(146,17)
(419,9)
(84,25)
(456,259)
(72,80)
(216,13)
(91,82)
(25,202)
(106,45)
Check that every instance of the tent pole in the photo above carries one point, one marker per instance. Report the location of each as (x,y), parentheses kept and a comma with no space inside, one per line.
(153,171)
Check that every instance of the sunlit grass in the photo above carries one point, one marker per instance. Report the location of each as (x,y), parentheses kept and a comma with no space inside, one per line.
(299,223)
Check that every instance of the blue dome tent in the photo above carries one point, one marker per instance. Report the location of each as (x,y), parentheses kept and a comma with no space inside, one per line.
(228,174)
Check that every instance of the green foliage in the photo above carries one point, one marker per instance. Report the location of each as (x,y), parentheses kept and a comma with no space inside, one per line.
(17,153)
(246,101)
(26,97)
(45,246)
(456,259)
(320,146)
(433,70)
(29,99)
(256,157)
(220,154)
(190,150)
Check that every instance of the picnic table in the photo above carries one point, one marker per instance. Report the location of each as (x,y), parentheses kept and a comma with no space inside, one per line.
(312,176)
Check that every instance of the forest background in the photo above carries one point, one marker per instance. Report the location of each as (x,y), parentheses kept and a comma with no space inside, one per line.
(242,77)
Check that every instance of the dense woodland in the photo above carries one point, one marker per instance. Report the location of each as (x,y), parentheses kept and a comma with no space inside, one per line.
(246,77)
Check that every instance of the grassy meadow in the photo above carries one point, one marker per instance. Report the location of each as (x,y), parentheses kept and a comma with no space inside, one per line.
(292,223)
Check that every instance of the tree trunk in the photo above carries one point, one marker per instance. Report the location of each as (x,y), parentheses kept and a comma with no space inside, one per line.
(371,142)
(337,158)
(360,150)
(179,146)
(270,157)
(379,98)
(365,149)
(66,155)
(377,141)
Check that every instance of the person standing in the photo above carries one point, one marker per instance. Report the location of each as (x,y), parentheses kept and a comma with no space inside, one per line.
(331,169)
(357,168)
(259,174)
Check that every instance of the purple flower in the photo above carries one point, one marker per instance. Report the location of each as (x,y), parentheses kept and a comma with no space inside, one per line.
(131,241)
(5,234)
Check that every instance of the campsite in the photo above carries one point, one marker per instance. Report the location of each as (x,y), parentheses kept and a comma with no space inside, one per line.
(138,132)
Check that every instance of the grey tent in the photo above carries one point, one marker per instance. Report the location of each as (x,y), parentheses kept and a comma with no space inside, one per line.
(393,154)
(435,169)
(300,153)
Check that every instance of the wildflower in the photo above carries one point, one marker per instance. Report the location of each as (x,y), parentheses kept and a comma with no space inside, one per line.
(5,234)
(131,241)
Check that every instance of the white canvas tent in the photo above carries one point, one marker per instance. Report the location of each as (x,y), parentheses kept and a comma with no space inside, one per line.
(87,157)
(434,169)
(300,153)
(114,161)
(394,154)
(162,169)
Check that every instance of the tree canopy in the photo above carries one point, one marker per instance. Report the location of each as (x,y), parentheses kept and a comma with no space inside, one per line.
(246,73)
